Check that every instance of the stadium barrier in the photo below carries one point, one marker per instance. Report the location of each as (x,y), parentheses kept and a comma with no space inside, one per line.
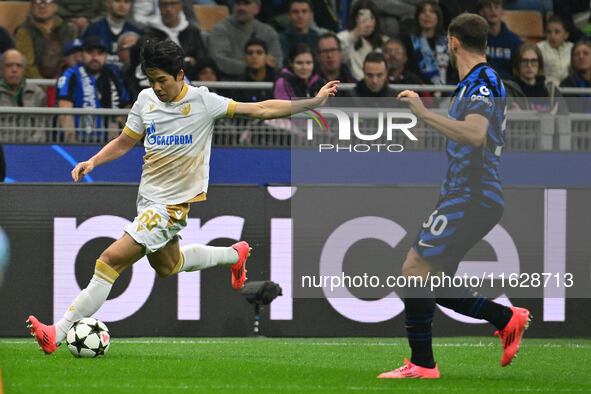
(56,232)
(342,86)
(525,130)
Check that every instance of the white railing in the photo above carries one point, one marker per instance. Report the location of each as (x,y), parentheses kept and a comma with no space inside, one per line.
(342,86)
(526,130)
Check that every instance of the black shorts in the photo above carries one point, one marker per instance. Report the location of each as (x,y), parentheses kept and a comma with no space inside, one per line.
(455,226)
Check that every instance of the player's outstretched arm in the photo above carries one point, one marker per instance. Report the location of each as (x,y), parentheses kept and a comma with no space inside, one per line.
(112,151)
(471,130)
(271,109)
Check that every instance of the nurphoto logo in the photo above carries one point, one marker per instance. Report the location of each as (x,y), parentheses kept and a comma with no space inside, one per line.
(387,126)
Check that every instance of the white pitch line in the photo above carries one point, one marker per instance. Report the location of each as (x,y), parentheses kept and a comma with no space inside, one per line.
(303,342)
(384,387)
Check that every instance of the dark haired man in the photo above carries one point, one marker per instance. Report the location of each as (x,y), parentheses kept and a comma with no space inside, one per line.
(395,53)
(329,56)
(173,24)
(257,70)
(300,16)
(375,78)
(177,122)
(227,38)
(470,205)
(502,42)
(112,27)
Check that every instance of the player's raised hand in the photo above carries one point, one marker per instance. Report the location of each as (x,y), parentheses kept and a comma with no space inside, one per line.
(81,169)
(328,90)
(413,100)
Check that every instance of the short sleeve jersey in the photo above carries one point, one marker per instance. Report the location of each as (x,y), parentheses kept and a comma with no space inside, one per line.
(473,172)
(177,141)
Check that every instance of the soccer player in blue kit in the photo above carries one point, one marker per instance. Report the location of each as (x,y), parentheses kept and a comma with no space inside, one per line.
(470,204)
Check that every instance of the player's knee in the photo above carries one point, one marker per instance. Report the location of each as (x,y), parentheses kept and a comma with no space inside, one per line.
(163,271)
(163,268)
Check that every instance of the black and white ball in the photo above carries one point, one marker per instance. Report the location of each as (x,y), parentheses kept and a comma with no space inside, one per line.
(88,338)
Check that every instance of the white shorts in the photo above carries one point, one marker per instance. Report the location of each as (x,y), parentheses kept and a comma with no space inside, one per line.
(157,224)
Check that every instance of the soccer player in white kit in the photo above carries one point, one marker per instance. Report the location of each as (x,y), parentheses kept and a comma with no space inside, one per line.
(177,122)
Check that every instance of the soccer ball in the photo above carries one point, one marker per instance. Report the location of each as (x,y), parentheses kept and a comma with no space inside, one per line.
(88,338)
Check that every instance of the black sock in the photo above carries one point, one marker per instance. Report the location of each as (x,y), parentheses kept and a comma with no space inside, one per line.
(471,303)
(418,323)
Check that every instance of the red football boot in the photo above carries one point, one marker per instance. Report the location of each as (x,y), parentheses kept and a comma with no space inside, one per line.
(512,333)
(239,268)
(45,335)
(411,371)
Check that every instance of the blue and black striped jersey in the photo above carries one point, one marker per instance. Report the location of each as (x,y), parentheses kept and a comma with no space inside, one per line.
(473,172)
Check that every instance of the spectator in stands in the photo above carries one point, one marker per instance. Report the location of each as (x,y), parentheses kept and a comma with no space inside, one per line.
(144,11)
(108,90)
(275,13)
(79,13)
(125,42)
(15,91)
(329,58)
(206,70)
(228,37)
(528,90)
(298,78)
(556,50)
(363,35)
(375,78)
(42,39)
(575,14)
(112,26)
(397,16)
(426,47)
(300,15)
(73,53)
(174,25)
(579,77)
(502,42)
(257,70)
(396,58)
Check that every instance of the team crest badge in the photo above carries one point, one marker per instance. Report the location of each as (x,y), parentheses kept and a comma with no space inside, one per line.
(185,109)
(152,107)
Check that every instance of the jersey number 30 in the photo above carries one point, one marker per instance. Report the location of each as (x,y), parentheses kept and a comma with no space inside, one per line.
(437,223)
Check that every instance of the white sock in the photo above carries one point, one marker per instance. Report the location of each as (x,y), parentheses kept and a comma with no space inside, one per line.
(89,300)
(200,257)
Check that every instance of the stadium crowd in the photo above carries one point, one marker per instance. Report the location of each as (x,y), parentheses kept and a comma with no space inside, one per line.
(92,50)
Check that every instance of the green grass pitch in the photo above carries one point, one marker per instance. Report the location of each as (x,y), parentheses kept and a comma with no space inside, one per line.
(282,365)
